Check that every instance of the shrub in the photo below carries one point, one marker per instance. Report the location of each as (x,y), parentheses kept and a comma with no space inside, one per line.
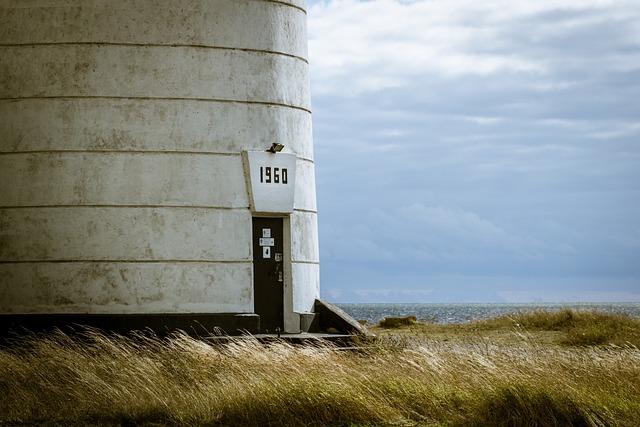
(520,405)
(595,328)
(397,322)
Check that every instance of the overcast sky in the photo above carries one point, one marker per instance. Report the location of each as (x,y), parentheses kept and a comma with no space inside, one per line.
(477,150)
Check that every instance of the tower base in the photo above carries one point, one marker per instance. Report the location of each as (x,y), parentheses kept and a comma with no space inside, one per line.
(196,324)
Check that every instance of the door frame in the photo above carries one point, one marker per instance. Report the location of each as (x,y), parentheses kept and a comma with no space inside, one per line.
(290,322)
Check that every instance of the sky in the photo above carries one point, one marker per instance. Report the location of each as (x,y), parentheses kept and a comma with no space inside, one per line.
(471,151)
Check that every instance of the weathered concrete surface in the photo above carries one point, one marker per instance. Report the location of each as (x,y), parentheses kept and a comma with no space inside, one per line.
(88,124)
(123,125)
(304,247)
(124,287)
(166,72)
(124,233)
(235,24)
(330,317)
(309,274)
(304,199)
(146,178)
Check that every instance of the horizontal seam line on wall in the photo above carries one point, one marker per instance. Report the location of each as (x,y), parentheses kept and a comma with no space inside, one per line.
(242,208)
(100,151)
(304,159)
(160,98)
(102,206)
(287,5)
(125,261)
(306,262)
(164,152)
(193,46)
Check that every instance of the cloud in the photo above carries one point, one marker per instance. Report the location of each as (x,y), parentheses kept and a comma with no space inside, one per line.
(450,233)
(476,139)
(361,46)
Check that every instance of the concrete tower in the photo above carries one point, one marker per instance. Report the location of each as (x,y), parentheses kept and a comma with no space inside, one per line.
(136,185)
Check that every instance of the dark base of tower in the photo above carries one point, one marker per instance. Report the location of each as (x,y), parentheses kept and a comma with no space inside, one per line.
(326,318)
(197,325)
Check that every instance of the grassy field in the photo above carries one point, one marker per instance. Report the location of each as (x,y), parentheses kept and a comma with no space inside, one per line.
(528,369)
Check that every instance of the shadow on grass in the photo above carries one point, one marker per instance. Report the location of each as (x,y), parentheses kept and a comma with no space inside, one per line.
(518,406)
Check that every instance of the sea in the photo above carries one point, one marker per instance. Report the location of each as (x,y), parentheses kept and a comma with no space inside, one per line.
(464,313)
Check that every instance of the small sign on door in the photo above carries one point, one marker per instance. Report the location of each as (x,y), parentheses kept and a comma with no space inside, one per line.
(267,241)
(266,252)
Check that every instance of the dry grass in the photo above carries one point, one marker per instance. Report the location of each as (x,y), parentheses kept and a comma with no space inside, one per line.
(402,379)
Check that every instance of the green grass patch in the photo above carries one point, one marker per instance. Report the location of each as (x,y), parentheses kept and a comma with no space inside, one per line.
(579,327)
(397,322)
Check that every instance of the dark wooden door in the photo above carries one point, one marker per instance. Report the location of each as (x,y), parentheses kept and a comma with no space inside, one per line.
(268,273)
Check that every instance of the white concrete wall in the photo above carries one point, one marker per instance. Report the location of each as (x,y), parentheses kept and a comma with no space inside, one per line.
(123,124)
(304,257)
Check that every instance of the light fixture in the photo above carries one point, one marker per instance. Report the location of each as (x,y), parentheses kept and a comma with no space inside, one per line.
(275,148)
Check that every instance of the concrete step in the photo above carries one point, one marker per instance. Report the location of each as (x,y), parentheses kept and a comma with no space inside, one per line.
(300,338)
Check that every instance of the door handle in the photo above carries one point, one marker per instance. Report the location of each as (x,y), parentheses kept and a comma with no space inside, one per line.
(277,271)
